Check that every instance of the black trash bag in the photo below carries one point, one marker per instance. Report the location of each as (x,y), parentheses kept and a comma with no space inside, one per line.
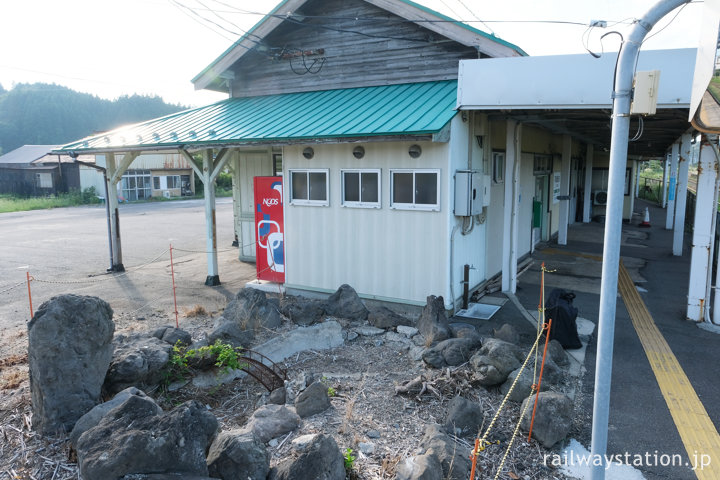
(564,314)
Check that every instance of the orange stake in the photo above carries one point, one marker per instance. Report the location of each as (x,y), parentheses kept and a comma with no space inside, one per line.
(29,294)
(473,457)
(172,272)
(542,366)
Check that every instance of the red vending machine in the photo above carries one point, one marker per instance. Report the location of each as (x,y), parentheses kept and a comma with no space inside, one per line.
(269,229)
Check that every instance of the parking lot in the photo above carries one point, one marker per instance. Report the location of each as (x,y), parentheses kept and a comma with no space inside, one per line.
(66,251)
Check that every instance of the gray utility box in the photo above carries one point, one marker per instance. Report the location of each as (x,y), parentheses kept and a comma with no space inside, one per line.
(469,193)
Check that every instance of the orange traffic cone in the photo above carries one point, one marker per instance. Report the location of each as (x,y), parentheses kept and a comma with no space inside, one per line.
(646,222)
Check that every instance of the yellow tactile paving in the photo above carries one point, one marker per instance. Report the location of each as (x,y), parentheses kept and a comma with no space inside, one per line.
(696,430)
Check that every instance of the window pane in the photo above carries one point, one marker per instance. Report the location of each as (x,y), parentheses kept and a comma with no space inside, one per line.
(146,182)
(131,182)
(369,187)
(352,186)
(299,186)
(402,188)
(318,186)
(426,188)
(156,183)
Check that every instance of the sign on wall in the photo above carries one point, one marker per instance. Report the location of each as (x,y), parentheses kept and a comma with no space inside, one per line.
(269,229)
(556,187)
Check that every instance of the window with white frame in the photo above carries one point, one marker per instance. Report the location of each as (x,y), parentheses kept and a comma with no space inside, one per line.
(309,187)
(498,171)
(361,188)
(43,180)
(414,189)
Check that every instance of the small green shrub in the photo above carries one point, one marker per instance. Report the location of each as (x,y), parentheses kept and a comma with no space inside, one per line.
(349,459)
(226,358)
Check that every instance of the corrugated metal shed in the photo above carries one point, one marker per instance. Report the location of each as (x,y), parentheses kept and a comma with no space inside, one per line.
(26,154)
(409,109)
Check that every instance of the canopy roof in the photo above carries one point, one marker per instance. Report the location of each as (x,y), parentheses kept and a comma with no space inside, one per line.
(395,110)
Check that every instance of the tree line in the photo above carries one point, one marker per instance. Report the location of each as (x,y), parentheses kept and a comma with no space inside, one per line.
(49,114)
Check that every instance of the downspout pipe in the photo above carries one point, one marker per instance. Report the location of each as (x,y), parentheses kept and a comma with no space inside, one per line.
(107,203)
(622,96)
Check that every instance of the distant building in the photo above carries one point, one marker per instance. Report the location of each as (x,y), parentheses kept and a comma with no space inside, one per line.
(32,171)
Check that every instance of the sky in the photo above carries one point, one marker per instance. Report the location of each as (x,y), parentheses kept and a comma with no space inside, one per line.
(111,48)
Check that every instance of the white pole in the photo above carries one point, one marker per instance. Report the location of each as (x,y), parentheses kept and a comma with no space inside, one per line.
(624,74)
(670,213)
(210,230)
(681,196)
(112,200)
(564,190)
(705,210)
(510,220)
(664,181)
(587,206)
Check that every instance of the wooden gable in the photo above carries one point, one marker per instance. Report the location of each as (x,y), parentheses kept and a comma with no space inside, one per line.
(335,44)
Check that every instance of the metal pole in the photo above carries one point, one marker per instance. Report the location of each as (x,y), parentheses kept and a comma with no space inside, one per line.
(213,279)
(681,200)
(663,204)
(702,239)
(613,227)
(172,273)
(587,205)
(107,206)
(670,213)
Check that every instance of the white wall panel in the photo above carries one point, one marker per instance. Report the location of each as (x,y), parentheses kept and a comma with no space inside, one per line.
(468,249)
(383,253)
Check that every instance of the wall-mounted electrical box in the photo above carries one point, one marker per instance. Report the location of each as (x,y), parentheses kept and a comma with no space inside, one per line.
(645,93)
(469,192)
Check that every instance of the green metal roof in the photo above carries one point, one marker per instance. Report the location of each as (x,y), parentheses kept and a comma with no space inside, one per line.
(407,109)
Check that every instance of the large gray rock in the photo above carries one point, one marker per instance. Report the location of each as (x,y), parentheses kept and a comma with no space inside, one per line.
(271,421)
(133,439)
(345,303)
(558,353)
(320,459)
(251,310)
(69,350)
(433,322)
(93,417)
(451,352)
(453,457)
(383,317)
(523,386)
(464,417)
(166,476)
(553,417)
(421,467)
(138,361)
(507,333)
(302,311)
(172,335)
(494,361)
(314,399)
(231,333)
(238,454)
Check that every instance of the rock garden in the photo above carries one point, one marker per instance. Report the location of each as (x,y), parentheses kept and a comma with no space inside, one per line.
(280,387)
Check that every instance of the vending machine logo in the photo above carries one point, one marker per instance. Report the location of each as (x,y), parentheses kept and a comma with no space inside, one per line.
(270,237)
